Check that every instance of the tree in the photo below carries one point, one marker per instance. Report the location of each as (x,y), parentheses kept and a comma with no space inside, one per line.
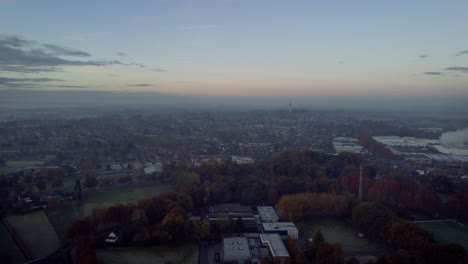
(80,232)
(441,183)
(201,227)
(90,181)
(329,254)
(313,247)
(57,182)
(41,185)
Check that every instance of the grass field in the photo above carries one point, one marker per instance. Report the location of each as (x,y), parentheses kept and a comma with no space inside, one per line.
(18,164)
(183,254)
(337,230)
(61,218)
(447,231)
(9,251)
(107,198)
(36,232)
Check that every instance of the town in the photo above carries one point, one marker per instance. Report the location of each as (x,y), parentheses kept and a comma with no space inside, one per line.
(230,186)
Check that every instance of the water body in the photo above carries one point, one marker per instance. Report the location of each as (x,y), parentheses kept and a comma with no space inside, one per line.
(337,230)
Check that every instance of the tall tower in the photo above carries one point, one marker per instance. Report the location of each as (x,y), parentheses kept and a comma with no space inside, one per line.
(360,183)
(290,106)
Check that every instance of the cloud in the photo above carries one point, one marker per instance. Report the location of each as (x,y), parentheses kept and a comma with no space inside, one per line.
(434,73)
(462,52)
(73,86)
(159,70)
(457,68)
(140,85)
(423,56)
(61,51)
(112,75)
(120,54)
(199,27)
(25,69)
(26,56)
(6,82)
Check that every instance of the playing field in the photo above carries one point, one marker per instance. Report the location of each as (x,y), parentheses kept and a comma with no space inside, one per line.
(337,230)
(9,251)
(447,231)
(62,217)
(106,198)
(36,232)
(183,254)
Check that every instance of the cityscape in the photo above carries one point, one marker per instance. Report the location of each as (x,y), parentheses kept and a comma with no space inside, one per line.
(233,131)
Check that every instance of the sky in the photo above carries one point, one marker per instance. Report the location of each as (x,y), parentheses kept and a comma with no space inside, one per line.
(290,49)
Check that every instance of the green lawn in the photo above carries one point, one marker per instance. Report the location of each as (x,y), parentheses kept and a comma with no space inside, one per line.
(9,251)
(183,254)
(106,198)
(18,164)
(36,232)
(61,218)
(447,231)
(337,230)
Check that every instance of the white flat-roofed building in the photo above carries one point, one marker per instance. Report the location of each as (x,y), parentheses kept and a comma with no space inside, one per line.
(235,250)
(267,214)
(282,229)
(345,144)
(276,246)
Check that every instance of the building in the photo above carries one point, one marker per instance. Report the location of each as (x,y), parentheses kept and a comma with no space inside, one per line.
(283,229)
(276,246)
(235,250)
(345,144)
(267,214)
(233,210)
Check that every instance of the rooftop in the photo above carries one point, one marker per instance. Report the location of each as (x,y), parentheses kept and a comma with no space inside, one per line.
(267,214)
(278,226)
(235,248)
(275,244)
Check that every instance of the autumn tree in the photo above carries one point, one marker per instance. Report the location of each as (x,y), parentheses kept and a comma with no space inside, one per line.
(81,234)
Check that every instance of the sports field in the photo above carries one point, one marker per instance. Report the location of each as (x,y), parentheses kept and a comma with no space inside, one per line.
(61,218)
(183,254)
(105,198)
(447,231)
(36,232)
(9,251)
(337,230)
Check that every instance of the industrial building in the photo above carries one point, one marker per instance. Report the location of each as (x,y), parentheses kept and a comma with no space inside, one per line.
(346,144)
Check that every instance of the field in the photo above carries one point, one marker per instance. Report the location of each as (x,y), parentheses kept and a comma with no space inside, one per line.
(182,254)
(9,251)
(62,217)
(106,198)
(18,164)
(337,230)
(36,232)
(447,231)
